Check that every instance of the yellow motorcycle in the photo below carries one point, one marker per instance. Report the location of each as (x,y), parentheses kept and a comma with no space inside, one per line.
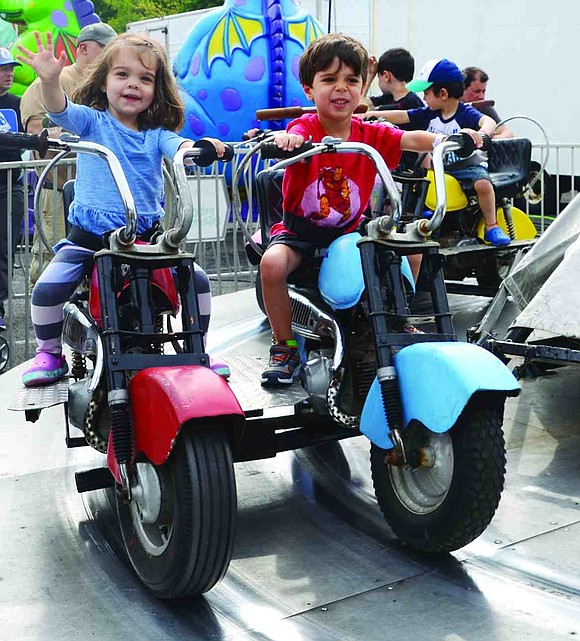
(461,233)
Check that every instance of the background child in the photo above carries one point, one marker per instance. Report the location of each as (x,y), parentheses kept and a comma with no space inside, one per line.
(328,195)
(131,106)
(395,68)
(442,82)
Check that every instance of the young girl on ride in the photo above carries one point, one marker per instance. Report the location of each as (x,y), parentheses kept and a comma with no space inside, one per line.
(130,104)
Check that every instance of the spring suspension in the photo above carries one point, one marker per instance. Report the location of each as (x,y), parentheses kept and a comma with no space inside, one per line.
(78,365)
(509,219)
(121,425)
(392,405)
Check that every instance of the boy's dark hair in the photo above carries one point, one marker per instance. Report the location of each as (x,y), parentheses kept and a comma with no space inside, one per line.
(399,62)
(454,89)
(321,52)
(473,73)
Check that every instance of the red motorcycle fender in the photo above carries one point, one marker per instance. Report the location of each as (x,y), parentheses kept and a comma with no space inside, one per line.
(164,398)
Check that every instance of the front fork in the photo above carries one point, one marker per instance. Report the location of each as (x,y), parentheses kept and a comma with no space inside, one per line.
(118,364)
(387,302)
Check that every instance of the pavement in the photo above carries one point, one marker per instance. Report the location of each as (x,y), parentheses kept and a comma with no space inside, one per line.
(313,558)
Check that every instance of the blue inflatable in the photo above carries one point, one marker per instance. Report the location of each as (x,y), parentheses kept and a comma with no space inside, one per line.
(238,59)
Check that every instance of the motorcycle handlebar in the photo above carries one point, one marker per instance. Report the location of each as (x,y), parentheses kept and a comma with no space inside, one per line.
(282,113)
(269,150)
(204,153)
(336,145)
(35,142)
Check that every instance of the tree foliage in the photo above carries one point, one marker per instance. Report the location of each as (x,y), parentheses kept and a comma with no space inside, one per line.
(119,14)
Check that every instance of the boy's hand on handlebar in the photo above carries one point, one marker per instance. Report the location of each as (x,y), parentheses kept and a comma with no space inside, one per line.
(288,142)
(476,136)
(48,68)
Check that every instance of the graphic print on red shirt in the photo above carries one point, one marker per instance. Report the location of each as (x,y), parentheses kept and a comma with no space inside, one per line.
(334,190)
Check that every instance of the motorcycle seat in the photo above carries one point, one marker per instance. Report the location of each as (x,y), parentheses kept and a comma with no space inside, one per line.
(509,163)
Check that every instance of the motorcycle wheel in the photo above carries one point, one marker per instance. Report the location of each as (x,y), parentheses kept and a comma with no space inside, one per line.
(444,507)
(179,527)
(4,354)
(490,271)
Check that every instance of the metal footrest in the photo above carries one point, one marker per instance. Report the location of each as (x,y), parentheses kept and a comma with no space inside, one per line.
(38,398)
(245,383)
(95,479)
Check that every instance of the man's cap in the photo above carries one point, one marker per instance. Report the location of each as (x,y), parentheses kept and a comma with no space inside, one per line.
(99,32)
(440,70)
(7,59)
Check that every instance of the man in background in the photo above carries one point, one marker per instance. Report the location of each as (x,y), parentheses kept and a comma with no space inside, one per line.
(475,83)
(11,185)
(91,41)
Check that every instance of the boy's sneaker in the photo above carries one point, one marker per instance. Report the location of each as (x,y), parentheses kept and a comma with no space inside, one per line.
(44,370)
(220,368)
(2,323)
(284,366)
(496,236)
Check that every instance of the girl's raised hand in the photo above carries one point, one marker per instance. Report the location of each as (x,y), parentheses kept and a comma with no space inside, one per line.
(47,67)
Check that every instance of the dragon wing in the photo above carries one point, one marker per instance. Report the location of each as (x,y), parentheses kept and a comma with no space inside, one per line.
(304,30)
(231,32)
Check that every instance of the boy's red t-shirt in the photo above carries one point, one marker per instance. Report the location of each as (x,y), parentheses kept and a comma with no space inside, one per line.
(334,190)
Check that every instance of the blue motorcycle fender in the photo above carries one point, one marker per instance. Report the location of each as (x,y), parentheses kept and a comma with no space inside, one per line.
(436,381)
(340,281)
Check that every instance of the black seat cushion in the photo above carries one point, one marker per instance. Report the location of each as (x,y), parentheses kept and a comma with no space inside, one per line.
(509,165)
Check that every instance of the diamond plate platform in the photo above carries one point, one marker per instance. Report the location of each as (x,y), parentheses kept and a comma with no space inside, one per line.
(37,398)
(245,383)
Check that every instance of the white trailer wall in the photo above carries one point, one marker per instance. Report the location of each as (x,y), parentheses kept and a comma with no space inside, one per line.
(528,47)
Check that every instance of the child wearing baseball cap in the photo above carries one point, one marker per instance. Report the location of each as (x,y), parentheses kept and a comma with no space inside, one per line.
(442,83)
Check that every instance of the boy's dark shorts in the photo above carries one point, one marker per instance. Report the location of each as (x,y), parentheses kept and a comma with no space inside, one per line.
(470,175)
(307,248)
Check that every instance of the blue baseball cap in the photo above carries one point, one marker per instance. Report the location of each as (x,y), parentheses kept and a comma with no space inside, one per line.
(7,59)
(439,70)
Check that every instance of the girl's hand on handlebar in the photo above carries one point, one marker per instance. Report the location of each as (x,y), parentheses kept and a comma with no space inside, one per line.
(47,66)
(218,144)
(288,142)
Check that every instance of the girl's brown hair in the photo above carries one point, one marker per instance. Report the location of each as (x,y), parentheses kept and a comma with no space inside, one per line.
(166,109)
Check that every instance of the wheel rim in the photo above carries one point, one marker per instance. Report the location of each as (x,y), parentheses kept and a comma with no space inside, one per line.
(151,515)
(4,354)
(422,490)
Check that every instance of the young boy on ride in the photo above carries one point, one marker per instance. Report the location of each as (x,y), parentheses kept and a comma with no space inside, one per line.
(328,195)
(442,84)
(130,104)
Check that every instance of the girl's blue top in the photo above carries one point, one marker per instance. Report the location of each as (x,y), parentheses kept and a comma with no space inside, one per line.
(97,206)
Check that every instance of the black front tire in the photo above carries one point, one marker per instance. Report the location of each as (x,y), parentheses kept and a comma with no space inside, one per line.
(185,548)
(442,508)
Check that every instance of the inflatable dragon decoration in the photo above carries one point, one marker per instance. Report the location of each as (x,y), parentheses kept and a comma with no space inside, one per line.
(64,18)
(239,58)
